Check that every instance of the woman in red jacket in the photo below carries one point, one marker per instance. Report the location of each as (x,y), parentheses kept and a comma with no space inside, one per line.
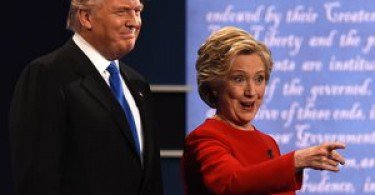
(227,154)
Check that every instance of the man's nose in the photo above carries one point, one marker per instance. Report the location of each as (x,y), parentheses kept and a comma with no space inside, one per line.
(134,20)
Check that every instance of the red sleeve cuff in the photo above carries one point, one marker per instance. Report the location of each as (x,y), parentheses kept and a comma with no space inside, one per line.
(298,176)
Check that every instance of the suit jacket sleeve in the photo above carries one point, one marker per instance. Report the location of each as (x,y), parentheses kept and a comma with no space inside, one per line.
(223,174)
(37,131)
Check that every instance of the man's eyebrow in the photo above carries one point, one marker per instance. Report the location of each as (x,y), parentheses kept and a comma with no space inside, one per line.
(128,7)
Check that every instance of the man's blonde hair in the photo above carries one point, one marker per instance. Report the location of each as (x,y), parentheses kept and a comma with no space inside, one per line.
(72,22)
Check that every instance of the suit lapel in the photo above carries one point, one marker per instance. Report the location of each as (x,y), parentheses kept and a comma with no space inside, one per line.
(139,98)
(105,97)
(140,94)
(136,93)
(94,84)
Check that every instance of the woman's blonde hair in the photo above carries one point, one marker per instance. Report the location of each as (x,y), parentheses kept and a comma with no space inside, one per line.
(216,54)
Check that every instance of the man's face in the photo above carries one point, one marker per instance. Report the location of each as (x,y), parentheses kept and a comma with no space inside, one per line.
(115,26)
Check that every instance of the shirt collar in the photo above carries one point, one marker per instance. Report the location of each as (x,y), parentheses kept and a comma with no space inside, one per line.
(99,61)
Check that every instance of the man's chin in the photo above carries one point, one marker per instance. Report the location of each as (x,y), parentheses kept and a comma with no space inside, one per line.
(126,48)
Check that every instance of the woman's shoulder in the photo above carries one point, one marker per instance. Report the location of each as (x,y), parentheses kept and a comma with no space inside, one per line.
(215,131)
(264,135)
(210,133)
(267,138)
(209,127)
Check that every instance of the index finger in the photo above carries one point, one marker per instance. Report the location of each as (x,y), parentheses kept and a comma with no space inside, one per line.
(335,145)
(337,157)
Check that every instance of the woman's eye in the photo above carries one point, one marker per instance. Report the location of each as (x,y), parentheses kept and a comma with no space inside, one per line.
(259,79)
(238,79)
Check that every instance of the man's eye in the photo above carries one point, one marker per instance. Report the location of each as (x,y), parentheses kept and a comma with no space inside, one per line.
(121,12)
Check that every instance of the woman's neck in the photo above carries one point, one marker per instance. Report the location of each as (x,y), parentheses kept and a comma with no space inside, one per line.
(245,127)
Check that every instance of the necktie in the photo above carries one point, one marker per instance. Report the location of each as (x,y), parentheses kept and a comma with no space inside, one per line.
(116,87)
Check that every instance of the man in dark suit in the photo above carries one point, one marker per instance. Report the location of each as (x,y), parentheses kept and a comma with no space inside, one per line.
(75,129)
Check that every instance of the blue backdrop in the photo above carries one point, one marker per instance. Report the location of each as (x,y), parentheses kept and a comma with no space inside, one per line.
(322,86)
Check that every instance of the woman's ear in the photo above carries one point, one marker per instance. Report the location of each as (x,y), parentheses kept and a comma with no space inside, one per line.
(216,88)
(214,93)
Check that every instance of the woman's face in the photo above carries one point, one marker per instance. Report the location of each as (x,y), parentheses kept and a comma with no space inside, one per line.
(241,92)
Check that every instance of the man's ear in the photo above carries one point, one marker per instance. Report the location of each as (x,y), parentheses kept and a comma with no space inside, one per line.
(85,18)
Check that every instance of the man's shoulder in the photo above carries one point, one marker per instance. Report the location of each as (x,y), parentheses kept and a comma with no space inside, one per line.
(57,55)
(62,59)
(57,65)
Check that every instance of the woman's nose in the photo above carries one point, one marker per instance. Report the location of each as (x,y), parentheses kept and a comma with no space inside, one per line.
(250,89)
